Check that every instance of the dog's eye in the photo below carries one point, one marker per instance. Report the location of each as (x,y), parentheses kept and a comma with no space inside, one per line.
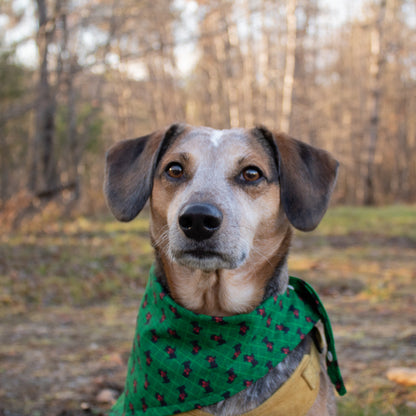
(174,170)
(251,174)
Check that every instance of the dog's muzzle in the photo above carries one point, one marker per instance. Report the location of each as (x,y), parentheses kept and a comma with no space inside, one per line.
(198,242)
(200,221)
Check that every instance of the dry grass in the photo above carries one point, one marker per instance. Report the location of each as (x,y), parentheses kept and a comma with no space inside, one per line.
(70,290)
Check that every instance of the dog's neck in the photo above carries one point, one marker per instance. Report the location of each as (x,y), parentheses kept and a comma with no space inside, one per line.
(229,292)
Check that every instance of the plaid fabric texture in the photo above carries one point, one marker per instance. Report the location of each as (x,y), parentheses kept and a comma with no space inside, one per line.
(182,361)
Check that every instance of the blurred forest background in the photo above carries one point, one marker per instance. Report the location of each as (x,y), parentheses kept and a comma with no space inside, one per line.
(76,75)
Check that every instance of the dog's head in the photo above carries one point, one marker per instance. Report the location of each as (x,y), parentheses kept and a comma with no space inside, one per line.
(216,195)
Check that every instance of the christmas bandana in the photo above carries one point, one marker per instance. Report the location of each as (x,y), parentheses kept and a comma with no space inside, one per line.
(181,360)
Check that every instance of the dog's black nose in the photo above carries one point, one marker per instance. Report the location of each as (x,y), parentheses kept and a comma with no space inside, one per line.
(200,221)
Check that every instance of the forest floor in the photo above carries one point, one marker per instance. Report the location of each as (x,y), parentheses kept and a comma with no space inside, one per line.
(69,294)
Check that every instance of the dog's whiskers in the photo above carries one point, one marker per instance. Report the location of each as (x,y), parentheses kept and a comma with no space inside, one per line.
(163,238)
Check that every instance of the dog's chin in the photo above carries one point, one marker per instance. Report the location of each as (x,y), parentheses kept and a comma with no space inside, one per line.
(207,261)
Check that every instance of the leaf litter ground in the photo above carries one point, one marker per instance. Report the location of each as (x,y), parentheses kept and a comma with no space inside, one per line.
(70,292)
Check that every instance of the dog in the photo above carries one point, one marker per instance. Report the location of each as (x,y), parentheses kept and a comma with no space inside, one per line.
(223,204)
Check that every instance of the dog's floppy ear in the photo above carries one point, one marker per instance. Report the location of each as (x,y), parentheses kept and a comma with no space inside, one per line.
(307,177)
(130,166)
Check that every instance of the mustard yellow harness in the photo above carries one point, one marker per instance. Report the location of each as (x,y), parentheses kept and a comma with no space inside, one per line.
(294,398)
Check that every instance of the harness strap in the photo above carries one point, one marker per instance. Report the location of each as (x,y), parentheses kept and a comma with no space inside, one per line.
(294,398)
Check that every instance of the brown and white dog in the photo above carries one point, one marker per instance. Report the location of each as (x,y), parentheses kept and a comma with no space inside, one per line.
(222,207)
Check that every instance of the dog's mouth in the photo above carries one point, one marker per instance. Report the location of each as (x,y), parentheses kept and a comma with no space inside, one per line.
(202,259)
(202,254)
(206,260)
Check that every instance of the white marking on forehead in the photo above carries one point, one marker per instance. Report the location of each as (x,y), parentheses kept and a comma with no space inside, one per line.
(216,137)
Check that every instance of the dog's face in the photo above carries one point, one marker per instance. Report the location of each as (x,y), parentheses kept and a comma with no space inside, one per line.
(222,203)
(215,197)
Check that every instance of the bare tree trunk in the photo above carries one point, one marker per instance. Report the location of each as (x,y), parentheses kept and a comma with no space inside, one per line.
(4,155)
(231,43)
(265,91)
(376,62)
(74,151)
(248,71)
(289,75)
(43,174)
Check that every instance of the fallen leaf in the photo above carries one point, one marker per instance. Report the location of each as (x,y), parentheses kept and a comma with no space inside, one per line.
(402,375)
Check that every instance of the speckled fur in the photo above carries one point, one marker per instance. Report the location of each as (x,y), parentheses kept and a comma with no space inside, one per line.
(255,243)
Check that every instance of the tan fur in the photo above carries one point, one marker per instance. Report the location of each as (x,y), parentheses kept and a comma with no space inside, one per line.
(253,241)
(221,292)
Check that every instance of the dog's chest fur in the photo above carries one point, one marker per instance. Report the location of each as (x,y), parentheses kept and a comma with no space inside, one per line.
(222,206)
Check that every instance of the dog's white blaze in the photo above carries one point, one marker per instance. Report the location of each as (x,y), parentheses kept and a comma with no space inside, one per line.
(216,137)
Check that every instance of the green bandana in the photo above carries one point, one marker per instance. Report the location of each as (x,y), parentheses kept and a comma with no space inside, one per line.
(181,360)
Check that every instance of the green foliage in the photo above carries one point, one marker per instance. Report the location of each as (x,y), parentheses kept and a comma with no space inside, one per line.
(15,123)
(12,78)
(89,127)
(90,118)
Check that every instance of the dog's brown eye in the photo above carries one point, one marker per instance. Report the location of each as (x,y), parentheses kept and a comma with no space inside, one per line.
(174,170)
(251,174)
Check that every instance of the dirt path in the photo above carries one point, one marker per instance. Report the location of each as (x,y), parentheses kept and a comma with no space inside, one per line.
(56,361)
